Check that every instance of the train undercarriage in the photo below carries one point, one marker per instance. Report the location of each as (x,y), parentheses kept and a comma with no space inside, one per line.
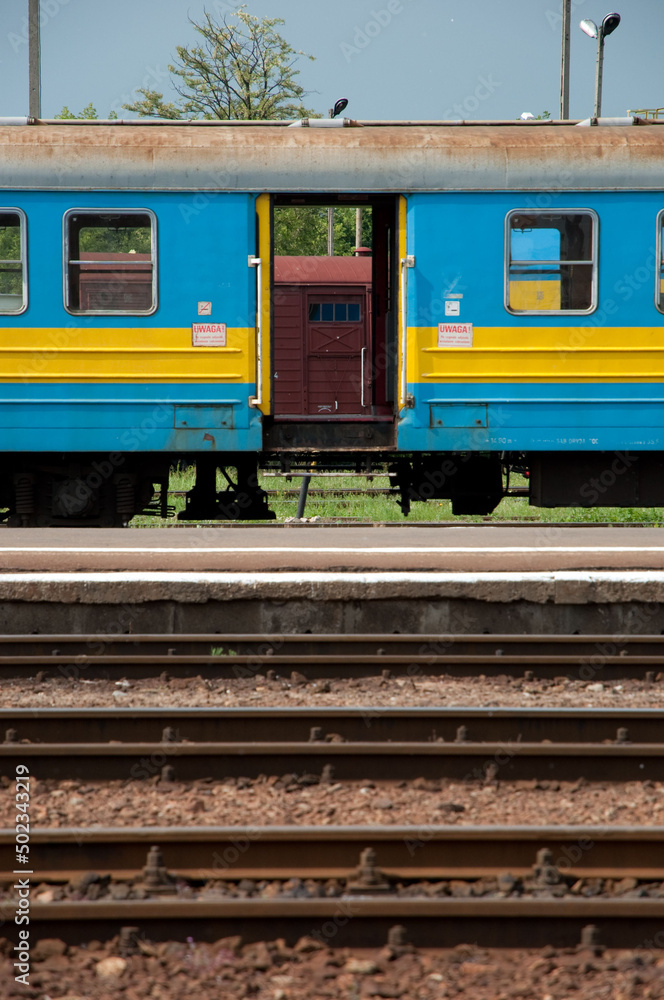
(109,490)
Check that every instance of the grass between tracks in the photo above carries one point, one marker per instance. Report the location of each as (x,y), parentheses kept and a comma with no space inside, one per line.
(380,507)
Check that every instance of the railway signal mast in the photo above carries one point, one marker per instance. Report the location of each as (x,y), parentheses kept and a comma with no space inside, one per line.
(609,24)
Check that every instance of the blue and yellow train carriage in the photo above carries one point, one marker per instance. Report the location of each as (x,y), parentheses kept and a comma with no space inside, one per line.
(514,313)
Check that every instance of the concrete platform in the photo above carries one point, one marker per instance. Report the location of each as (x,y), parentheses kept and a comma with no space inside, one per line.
(305,548)
(270,579)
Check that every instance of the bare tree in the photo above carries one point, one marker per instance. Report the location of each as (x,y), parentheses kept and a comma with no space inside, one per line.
(243,69)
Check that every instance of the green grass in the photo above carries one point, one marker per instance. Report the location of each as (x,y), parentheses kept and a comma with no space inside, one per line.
(353,507)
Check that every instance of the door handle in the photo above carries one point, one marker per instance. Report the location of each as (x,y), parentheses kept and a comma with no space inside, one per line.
(404,263)
(362,353)
(258,264)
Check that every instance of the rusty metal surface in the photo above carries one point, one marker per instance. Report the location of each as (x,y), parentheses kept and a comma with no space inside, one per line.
(515,761)
(362,724)
(363,906)
(446,645)
(361,921)
(330,656)
(385,159)
(410,852)
(322,667)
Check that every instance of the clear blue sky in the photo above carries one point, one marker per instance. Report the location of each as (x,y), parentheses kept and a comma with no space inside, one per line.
(391,58)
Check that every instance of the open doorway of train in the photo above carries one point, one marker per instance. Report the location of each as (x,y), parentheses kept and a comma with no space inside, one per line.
(334,322)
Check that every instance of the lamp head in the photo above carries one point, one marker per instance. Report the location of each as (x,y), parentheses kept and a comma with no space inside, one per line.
(343,102)
(589,27)
(610,23)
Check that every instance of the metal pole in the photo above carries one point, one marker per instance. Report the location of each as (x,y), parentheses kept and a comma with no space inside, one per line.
(564,67)
(302,499)
(598,75)
(358,228)
(330,230)
(34,101)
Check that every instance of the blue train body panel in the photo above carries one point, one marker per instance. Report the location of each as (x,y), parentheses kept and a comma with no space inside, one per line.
(459,245)
(202,247)
(128,418)
(203,241)
(533,382)
(518,417)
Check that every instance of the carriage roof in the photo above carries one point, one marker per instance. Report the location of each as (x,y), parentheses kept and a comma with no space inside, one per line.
(374,158)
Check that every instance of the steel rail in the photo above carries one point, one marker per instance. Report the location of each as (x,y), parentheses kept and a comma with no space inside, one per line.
(364,922)
(365,724)
(322,667)
(380,761)
(324,656)
(360,918)
(361,642)
(430,851)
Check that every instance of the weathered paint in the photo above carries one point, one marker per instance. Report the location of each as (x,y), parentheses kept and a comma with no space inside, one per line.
(518,416)
(373,159)
(147,418)
(318,366)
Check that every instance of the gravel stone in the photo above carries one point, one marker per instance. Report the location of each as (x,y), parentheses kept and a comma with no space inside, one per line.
(228,969)
(479,691)
(279,802)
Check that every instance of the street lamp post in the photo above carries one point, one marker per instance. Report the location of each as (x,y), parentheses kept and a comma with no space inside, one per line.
(339,106)
(609,24)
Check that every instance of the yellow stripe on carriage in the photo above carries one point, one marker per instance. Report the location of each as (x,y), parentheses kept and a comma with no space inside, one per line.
(127,354)
(533,354)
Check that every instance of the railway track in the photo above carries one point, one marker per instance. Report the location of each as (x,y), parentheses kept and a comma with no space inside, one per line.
(459,725)
(321,656)
(607,744)
(362,922)
(335,745)
(371,896)
(282,852)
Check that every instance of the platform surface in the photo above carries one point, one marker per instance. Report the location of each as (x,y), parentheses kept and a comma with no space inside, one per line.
(533,548)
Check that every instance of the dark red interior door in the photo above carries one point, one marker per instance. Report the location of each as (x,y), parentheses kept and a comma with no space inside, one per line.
(337,355)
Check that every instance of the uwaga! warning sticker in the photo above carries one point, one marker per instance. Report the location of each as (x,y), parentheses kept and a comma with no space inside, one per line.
(455,334)
(208,334)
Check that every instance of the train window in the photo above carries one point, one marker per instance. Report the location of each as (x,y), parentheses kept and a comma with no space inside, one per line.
(13,276)
(659,270)
(334,312)
(551,261)
(110,261)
